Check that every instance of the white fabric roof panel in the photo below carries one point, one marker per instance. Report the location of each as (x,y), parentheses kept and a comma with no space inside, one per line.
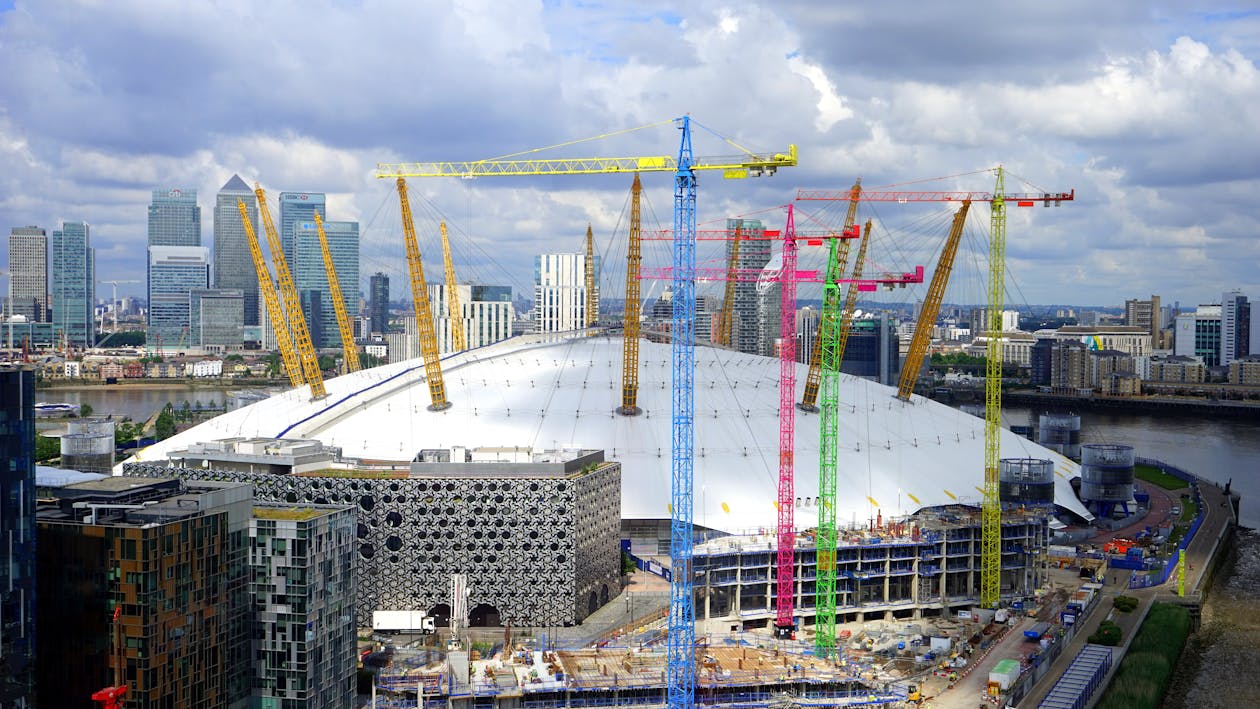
(549,392)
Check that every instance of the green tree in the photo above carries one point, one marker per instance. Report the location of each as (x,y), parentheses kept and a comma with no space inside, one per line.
(126,430)
(273,364)
(186,411)
(234,358)
(326,363)
(85,409)
(164,426)
(367,361)
(46,448)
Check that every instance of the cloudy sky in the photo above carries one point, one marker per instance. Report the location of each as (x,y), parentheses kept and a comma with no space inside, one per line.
(1149,110)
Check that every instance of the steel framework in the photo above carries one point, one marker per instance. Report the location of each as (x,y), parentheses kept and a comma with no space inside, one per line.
(268,289)
(784,622)
(590,278)
(991,507)
(836,263)
(350,350)
(630,336)
(420,299)
(455,313)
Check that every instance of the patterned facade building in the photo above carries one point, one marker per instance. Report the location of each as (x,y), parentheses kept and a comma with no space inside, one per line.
(17,529)
(143,581)
(302,563)
(536,535)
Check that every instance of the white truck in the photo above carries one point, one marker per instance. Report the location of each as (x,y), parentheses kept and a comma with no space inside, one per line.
(403,622)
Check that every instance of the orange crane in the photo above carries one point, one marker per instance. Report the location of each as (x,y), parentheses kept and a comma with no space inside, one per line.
(348,347)
(726,319)
(454,312)
(931,307)
(266,287)
(292,306)
(420,299)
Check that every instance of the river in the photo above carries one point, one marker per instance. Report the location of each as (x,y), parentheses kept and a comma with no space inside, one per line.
(137,401)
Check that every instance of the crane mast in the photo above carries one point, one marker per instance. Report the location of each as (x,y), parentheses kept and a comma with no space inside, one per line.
(590,278)
(420,298)
(288,355)
(828,454)
(630,336)
(292,306)
(835,269)
(851,295)
(991,506)
(350,350)
(931,306)
(455,312)
(681,682)
(726,324)
(785,558)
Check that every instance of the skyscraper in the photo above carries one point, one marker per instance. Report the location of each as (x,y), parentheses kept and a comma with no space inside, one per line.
(378,303)
(28,269)
(214,319)
(174,271)
(297,207)
(233,266)
(311,278)
(1235,326)
(486,318)
(560,291)
(756,311)
(174,218)
(74,284)
(17,528)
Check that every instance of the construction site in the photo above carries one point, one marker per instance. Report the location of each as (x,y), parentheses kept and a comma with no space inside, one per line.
(787,583)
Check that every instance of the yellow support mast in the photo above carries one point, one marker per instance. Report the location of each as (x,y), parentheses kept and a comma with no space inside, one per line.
(851,296)
(590,278)
(809,399)
(292,306)
(455,313)
(726,320)
(931,306)
(420,299)
(267,288)
(630,334)
(991,506)
(350,349)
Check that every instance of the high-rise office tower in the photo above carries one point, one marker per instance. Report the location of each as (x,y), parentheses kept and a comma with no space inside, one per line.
(28,269)
(1198,334)
(174,272)
(1235,326)
(297,207)
(74,284)
(168,561)
(233,265)
(174,218)
(311,278)
(17,529)
(560,291)
(378,302)
(756,310)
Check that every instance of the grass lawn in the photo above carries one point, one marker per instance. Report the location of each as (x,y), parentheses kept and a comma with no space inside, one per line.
(1144,674)
(1151,474)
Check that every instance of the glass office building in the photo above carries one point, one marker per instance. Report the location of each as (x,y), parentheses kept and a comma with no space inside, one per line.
(174,271)
(297,207)
(311,279)
(378,302)
(74,284)
(214,319)
(174,218)
(233,265)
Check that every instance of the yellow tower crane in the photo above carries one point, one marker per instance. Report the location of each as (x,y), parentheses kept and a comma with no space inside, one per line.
(420,300)
(630,336)
(455,313)
(292,306)
(267,288)
(590,278)
(831,296)
(851,296)
(726,318)
(350,350)
(931,306)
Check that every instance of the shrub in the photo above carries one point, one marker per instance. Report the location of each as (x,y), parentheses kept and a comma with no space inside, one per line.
(1124,604)
(1108,633)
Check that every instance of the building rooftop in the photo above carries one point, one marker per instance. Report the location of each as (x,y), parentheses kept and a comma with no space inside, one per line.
(301,513)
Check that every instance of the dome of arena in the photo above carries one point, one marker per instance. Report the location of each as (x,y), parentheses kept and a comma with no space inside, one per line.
(560,392)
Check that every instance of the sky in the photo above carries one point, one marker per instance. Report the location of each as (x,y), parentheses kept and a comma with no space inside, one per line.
(1147,110)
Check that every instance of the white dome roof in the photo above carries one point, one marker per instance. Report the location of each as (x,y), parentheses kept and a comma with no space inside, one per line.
(550,392)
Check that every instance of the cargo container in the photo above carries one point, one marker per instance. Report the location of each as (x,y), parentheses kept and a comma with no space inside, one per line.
(1004,674)
(1036,631)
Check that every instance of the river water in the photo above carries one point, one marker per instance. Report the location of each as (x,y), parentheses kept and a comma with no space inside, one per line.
(137,402)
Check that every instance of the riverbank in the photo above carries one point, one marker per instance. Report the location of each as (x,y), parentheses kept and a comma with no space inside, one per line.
(164,385)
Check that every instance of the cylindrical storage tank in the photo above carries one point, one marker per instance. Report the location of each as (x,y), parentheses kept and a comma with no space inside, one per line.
(1027,481)
(1106,473)
(91,425)
(1061,433)
(88,452)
